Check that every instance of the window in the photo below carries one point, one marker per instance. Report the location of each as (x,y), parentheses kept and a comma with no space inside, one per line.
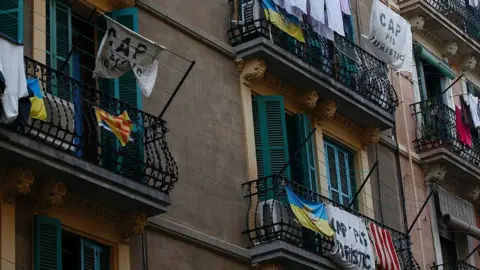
(11,19)
(340,173)
(277,136)
(58,249)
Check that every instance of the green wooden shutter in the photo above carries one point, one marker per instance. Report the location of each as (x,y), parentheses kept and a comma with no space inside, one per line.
(270,137)
(94,256)
(59,44)
(340,174)
(307,153)
(11,19)
(47,243)
(126,86)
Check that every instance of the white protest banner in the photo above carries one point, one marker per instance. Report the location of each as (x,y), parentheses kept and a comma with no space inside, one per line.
(390,37)
(123,50)
(352,248)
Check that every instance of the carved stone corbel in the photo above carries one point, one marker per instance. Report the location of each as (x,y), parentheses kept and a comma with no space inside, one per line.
(475,193)
(371,135)
(240,63)
(254,70)
(255,266)
(325,110)
(450,49)
(15,182)
(133,224)
(307,99)
(51,193)
(417,23)
(435,173)
(468,63)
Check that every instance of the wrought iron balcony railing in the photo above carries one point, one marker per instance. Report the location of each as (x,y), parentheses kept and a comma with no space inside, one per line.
(464,16)
(71,127)
(437,128)
(342,59)
(271,219)
(459,265)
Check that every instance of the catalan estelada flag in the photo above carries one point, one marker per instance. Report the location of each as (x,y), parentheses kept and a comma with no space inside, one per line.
(311,215)
(284,21)
(120,125)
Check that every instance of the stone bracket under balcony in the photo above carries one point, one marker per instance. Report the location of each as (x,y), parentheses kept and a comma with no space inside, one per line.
(293,71)
(289,256)
(81,178)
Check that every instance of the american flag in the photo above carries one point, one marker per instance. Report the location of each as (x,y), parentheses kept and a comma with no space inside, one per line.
(384,250)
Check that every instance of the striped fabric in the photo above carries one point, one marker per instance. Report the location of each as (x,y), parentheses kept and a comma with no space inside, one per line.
(120,125)
(384,250)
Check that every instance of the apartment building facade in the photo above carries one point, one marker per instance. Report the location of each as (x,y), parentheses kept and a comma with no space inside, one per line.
(203,186)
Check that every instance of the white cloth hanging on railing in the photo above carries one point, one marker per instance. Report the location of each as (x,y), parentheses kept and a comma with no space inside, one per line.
(12,66)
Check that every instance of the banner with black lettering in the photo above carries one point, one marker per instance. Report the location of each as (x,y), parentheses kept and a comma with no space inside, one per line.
(390,37)
(352,248)
(123,50)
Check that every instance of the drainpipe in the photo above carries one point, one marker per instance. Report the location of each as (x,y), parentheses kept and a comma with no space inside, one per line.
(410,159)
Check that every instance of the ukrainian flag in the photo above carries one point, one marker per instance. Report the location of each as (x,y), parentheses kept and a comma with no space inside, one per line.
(311,215)
(285,22)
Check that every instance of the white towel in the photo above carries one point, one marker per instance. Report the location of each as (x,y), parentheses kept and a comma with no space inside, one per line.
(317,11)
(334,15)
(345,6)
(13,69)
(298,8)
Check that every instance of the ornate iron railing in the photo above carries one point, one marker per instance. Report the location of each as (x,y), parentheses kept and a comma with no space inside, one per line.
(459,13)
(271,219)
(459,265)
(436,127)
(71,127)
(342,59)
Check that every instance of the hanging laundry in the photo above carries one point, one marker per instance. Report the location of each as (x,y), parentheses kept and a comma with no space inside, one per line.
(334,16)
(123,50)
(311,215)
(473,3)
(345,6)
(120,125)
(12,67)
(463,133)
(317,11)
(467,116)
(351,237)
(37,110)
(297,8)
(384,249)
(473,106)
(285,22)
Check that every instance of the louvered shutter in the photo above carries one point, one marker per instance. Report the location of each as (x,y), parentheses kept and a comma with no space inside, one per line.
(132,155)
(270,136)
(47,244)
(340,174)
(94,256)
(59,44)
(307,154)
(11,19)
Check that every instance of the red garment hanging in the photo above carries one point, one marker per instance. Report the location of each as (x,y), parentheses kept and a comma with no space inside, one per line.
(463,132)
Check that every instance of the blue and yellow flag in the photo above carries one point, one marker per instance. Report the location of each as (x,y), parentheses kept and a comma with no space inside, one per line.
(311,215)
(285,22)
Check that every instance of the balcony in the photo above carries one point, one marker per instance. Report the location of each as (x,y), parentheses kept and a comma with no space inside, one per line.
(276,237)
(444,22)
(438,143)
(460,265)
(71,147)
(340,71)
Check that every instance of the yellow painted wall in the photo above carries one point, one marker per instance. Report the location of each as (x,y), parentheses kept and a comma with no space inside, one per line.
(324,128)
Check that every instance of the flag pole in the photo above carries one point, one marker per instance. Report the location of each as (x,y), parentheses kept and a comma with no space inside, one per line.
(176,89)
(363,184)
